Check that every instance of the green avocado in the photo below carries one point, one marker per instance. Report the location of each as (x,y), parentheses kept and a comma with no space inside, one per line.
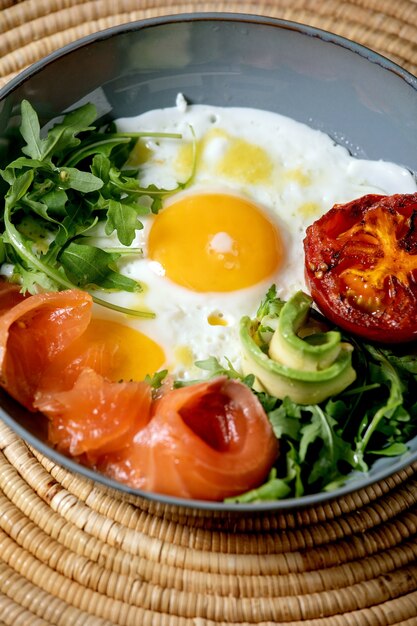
(308,369)
(316,352)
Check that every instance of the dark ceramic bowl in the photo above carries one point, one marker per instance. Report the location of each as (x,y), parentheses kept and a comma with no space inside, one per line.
(359,98)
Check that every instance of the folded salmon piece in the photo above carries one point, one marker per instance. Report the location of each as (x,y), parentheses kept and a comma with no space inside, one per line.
(208,441)
(10,295)
(96,416)
(33,331)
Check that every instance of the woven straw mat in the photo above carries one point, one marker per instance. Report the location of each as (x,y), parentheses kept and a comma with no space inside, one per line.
(74,554)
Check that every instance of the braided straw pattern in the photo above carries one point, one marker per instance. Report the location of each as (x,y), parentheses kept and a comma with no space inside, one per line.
(75,554)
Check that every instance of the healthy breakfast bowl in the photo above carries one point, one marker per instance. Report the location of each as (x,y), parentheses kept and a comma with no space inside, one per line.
(168,191)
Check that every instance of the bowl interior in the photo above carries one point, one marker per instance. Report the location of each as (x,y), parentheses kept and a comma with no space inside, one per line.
(360,99)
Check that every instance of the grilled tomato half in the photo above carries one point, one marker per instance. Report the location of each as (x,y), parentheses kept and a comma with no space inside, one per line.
(361,266)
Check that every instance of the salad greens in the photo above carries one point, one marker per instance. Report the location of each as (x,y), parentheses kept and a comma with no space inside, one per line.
(58,188)
(322,444)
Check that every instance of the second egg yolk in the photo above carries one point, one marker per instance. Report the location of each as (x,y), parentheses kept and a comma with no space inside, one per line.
(115,351)
(215,242)
(128,353)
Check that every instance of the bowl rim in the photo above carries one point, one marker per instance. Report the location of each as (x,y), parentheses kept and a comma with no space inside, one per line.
(246,18)
(364,480)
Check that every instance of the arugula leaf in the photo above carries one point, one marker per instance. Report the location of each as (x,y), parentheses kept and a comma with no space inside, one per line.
(23,249)
(385,371)
(156,379)
(99,147)
(31,280)
(215,368)
(31,132)
(18,188)
(69,178)
(100,167)
(123,218)
(269,304)
(286,420)
(320,427)
(406,363)
(55,201)
(395,449)
(8,175)
(87,265)
(273,489)
(22,162)
(62,136)
(294,471)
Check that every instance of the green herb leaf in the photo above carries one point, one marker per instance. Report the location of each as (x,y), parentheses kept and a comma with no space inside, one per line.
(55,201)
(22,162)
(62,135)
(273,489)
(18,189)
(100,147)
(385,371)
(395,449)
(124,219)
(286,420)
(407,362)
(30,131)
(155,380)
(71,178)
(88,265)
(215,368)
(100,167)
(31,280)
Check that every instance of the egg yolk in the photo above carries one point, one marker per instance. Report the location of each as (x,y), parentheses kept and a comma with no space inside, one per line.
(124,352)
(215,242)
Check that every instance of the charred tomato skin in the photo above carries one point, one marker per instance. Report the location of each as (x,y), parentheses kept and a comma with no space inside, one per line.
(361,266)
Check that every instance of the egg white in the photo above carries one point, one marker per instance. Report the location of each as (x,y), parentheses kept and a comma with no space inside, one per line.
(309,173)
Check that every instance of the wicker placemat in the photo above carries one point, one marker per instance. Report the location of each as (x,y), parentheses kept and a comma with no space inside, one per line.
(75,554)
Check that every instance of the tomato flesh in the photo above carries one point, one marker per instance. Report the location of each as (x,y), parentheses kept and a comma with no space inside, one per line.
(361,266)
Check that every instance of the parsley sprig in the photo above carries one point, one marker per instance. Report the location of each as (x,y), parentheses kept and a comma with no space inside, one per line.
(66,182)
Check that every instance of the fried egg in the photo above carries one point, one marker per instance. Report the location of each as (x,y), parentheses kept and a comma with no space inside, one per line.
(255,181)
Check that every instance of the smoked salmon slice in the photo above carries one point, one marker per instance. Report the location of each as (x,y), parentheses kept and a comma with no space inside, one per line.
(10,295)
(96,416)
(62,372)
(33,332)
(208,441)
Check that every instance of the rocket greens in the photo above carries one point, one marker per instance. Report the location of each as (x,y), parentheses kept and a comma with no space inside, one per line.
(58,188)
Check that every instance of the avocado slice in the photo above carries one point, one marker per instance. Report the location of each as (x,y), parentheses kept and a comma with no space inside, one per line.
(307,370)
(316,352)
